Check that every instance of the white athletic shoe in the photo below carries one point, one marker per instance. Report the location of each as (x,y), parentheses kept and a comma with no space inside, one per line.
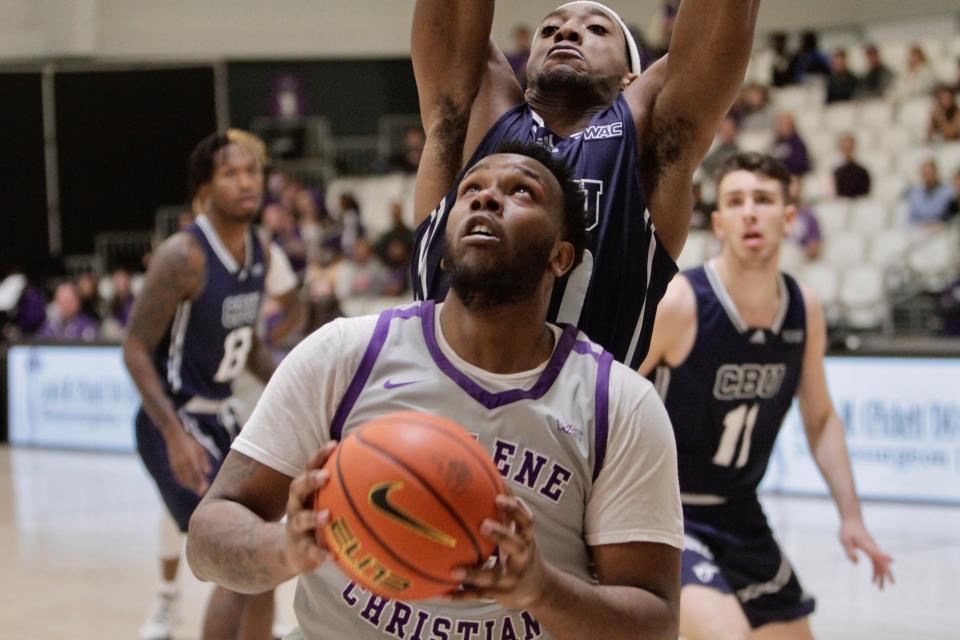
(164,616)
(280,627)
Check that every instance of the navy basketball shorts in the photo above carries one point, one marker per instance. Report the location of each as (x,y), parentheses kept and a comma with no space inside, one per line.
(208,430)
(752,568)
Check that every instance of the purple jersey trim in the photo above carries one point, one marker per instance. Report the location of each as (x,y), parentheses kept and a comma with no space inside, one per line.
(493,400)
(585,348)
(601,406)
(366,366)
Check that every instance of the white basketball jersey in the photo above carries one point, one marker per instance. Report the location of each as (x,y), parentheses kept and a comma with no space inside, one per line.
(548,442)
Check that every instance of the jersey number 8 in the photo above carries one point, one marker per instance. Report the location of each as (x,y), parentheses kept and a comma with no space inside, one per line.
(236,347)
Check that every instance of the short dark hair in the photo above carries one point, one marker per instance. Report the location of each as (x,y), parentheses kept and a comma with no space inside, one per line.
(755,163)
(202,161)
(574,201)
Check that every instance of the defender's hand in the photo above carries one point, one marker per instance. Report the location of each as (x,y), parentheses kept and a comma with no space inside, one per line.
(519,578)
(304,552)
(189,461)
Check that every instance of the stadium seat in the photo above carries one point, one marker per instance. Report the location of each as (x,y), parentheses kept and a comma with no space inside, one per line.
(694,251)
(888,187)
(888,247)
(877,163)
(893,139)
(845,249)
(840,117)
(934,258)
(894,53)
(910,159)
(824,280)
(876,114)
(947,155)
(869,216)
(833,216)
(862,297)
(809,121)
(792,258)
(914,114)
(755,141)
(793,99)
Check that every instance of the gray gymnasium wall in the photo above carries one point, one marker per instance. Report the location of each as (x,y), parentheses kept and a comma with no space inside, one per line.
(188,29)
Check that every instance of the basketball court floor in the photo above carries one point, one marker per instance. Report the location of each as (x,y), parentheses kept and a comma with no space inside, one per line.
(78,540)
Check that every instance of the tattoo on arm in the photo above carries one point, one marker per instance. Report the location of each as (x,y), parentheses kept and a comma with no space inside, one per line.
(176,273)
(235,538)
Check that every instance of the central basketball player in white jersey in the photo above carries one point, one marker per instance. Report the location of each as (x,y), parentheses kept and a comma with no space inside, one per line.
(582,440)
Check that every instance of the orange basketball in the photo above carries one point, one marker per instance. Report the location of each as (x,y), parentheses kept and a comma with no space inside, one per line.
(407,495)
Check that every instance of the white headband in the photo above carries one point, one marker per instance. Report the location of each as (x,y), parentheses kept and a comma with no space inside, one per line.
(632,48)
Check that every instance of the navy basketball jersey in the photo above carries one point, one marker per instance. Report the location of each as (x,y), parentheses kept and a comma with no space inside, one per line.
(208,342)
(613,295)
(728,399)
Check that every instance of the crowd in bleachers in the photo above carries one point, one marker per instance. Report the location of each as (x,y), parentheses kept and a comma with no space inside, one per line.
(79,309)
(870,133)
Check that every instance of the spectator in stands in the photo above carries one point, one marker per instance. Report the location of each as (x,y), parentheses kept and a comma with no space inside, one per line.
(724,146)
(783,71)
(311,220)
(282,229)
(850,179)
(348,225)
(319,291)
(944,117)
(954,208)
(26,311)
(702,210)
(408,160)
(521,53)
(396,279)
(878,79)
(956,78)
(66,319)
(398,232)
(753,109)
(119,306)
(929,201)
(805,230)
(918,80)
(90,302)
(185,219)
(842,84)
(809,60)
(788,147)
(361,275)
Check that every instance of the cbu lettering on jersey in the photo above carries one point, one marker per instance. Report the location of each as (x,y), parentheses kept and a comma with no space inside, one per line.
(548,442)
(207,344)
(613,295)
(728,399)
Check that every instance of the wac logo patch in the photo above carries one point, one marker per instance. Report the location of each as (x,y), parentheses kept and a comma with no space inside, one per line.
(603,131)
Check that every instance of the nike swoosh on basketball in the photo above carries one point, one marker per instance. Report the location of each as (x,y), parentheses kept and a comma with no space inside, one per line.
(390,384)
(379,497)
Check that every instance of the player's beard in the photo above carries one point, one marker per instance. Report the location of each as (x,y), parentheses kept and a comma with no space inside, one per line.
(482,288)
(578,89)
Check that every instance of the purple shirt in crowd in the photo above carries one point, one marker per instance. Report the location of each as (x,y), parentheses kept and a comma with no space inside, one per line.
(79,327)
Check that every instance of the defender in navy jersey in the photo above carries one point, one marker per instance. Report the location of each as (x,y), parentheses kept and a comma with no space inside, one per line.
(191,332)
(592,551)
(735,340)
(633,140)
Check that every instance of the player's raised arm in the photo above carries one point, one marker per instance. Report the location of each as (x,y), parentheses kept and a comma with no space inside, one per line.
(464,83)
(825,434)
(708,57)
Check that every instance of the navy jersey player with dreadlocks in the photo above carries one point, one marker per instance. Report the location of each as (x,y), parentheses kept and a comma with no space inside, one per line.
(633,139)
(734,341)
